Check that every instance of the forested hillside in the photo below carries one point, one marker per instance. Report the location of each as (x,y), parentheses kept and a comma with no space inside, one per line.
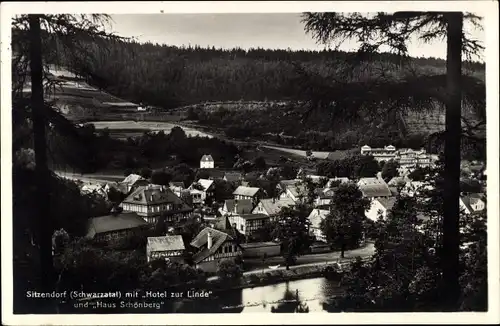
(167,76)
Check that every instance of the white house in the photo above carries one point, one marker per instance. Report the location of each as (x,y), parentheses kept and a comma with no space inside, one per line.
(297,193)
(201,190)
(207,162)
(380,207)
(316,216)
(472,203)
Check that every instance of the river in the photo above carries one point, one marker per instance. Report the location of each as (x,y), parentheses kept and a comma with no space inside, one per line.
(312,293)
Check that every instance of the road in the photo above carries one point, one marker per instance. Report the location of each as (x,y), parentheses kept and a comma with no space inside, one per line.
(257,266)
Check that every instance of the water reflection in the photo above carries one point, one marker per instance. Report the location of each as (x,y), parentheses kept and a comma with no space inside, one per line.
(290,303)
(310,295)
(283,296)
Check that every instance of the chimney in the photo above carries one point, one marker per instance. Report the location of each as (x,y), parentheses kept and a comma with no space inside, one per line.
(236,208)
(209,240)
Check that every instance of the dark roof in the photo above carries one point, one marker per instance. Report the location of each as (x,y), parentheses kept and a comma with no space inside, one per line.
(212,173)
(242,205)
(177,184)
(287,183)
(118,222)
(207,158)
(152,194)
(469,200)
(250,217)
(200,242)
(233,176)
(168,242)
(222,223)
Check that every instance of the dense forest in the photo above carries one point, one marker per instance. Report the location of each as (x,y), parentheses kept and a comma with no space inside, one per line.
(167,76)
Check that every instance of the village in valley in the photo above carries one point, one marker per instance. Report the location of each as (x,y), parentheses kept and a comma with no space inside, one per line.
(234,229)
(236,178)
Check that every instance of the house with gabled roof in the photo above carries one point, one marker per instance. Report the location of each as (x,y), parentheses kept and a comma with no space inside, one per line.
(252,193)
(380,207)
(337,180)
(202,191)
(152,201)
(132,181)
(207,162)
(271,206)
(211,246)
(116,225)
(168,247)
(296,192)
(236,206)
(472,203)
(247,224)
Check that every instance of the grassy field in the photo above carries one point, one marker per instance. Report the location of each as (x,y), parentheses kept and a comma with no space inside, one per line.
(130,128)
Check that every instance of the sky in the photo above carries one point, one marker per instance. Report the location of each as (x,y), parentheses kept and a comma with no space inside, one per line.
(245,30)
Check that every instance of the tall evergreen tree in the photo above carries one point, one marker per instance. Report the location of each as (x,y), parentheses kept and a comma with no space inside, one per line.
(452,89)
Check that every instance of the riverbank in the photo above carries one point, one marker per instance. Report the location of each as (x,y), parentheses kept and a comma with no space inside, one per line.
(256,279)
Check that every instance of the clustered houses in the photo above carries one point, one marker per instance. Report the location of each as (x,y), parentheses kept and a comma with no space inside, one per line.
(232,233)
(406,157)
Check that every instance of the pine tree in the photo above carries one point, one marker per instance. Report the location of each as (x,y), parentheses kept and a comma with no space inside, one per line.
(452,89)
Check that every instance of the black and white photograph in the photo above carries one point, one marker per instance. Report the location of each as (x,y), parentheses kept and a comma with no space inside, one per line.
(288,160)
